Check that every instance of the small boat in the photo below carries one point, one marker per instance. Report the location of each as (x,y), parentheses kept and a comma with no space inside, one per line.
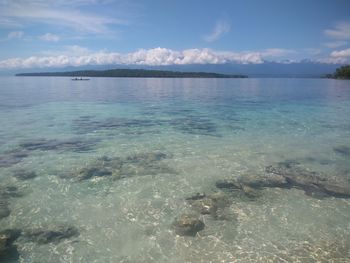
(81,78)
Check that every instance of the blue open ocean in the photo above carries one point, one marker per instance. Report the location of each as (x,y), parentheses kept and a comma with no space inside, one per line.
(103,170)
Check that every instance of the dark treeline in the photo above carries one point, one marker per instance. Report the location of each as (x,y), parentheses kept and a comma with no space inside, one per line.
(341,73)
(133,73)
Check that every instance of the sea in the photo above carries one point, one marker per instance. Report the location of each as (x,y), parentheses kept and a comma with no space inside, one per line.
(105,170)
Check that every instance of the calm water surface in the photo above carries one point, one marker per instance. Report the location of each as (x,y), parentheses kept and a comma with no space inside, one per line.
(116,160)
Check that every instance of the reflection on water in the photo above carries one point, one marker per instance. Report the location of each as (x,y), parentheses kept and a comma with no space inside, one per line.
(174,170)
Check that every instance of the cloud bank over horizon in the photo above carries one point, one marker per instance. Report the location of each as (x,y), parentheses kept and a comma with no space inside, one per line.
(79,56)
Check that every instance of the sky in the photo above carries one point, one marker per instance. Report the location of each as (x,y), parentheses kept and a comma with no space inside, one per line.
(60,33)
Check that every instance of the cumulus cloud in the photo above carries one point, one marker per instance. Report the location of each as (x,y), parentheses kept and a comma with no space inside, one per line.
(78,56)
(49,37)
(335,44)
(15,34)
(222,27)
(341,54)
(332,60)
(277,52)
(340,31)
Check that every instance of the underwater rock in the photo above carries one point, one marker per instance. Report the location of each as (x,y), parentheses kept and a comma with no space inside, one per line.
(146,157)
(205,206)
(133,165)
(8,251)
(4,209)
(337,189)
(188,225)
(208,205)
(221,199)
(22,174)
(195,125)
(75,145)
(228,184)
(311,182)
(88,173)
(243,187)
(250,192)
(86,125)
(343,150)
(52,235)
(197,196)
(11,158)
(288,163)
(10,191)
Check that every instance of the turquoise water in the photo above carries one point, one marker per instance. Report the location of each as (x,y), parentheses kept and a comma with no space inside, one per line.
(171,139)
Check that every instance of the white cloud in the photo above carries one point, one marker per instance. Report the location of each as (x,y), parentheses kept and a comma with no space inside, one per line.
(332,60)
(335,44)
(341,54)
(222,27)
(341,31)
(55,13)
(277,52)
(15,34)
(49,37)
(78,56)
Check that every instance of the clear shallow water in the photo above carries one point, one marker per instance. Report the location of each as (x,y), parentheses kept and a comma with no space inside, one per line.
(209,130)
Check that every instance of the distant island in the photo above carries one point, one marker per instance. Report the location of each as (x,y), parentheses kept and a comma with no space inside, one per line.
(341,73)
(132,73)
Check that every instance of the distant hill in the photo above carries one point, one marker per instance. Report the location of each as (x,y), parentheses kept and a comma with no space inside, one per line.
(133,73)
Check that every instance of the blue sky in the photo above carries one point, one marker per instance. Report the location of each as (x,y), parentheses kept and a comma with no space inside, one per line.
(62,33)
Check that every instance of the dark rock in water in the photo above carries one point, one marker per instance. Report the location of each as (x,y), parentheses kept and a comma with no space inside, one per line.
(188,225)
(288,163)
(51,235)
(242,186)
(337,189)
(146,157)
(268,180)
(250,192)
(87,125)
(311,182)
(205,206)
(287,174)
(90,172)
(8,251)
(4,209)
(197,196)
(11,158)
(228,184)
(315,192)
(220,198)
(195,125)
(208,205)
(24,174)
(75,145)
(343,150)
(10,191)
(132,165)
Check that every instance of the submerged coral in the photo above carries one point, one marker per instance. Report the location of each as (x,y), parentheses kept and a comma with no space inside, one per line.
(13,157)
(53,234)
(122,167)
(75,145)
(188,225)
(8,251)
(290,176)
(22,174)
